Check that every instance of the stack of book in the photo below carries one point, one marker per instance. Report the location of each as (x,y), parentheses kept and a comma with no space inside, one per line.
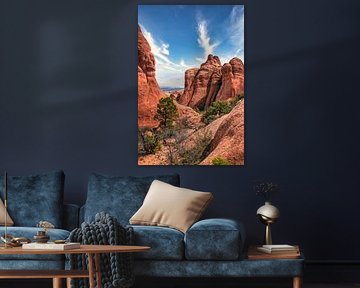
(274,252)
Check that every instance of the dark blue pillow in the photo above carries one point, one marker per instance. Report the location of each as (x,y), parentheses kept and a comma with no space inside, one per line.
(121,197)
(35,198)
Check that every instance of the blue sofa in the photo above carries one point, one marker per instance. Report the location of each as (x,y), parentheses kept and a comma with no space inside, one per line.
(210,248)
(32,199)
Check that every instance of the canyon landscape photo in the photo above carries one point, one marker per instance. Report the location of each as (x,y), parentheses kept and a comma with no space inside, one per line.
(191,85)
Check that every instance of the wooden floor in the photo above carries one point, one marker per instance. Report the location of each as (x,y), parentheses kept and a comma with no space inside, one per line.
(44,283)
(332,285)
(254,284)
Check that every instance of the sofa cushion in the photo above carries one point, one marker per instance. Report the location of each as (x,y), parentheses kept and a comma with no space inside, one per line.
(39,264)
(119,196)
(35,198)
(214,239)
(29,232)
(165,243)
(211,269)
(170,206)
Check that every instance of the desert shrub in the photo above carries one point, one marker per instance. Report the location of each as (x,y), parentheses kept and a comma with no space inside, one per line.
(148,142)
(166,112)
(220,161)
(220,108)
(234,101)
(216,110)
(171,151)
(184,122)
(199,150)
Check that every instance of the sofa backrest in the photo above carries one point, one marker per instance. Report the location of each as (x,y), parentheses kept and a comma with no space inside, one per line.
(70,216)
(35,198)
(119,196)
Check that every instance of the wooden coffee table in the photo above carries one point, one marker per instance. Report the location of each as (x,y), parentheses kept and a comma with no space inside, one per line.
(92,251)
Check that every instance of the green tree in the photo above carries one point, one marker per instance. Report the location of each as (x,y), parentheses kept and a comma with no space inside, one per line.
(216,110)
(220,108)
(166,112)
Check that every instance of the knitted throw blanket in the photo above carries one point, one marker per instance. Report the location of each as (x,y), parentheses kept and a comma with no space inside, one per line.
(116,268)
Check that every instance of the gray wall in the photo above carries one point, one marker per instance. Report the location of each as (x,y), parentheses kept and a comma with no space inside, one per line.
(68,99)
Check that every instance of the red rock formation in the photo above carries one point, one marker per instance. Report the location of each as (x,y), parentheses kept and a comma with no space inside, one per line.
(228,141)
(188,87)
(196,83)
(212,82)
(214,86)
(188,118)
(149,91)
(227,137)
(238,72)
(232,80)
(176,94)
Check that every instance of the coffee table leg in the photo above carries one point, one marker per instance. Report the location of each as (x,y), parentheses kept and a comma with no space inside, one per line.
(68,282)
(98,270)
(57,283)
(297,282)
(91,270)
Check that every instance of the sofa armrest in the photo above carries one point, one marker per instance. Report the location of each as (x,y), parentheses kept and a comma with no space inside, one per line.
(215,239)
(70,216)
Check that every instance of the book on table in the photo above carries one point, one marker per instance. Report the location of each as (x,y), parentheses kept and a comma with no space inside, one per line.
(51,246)
(255,254)
(278,249)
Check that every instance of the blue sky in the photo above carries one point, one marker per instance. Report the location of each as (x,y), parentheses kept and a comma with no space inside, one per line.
(181,36)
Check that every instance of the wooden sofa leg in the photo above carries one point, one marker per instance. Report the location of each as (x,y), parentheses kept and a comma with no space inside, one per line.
(297,282)
(57,283)
(68,282)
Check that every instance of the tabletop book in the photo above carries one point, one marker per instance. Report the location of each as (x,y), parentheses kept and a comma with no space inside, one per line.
(51,246)
(271,249)
(255,254)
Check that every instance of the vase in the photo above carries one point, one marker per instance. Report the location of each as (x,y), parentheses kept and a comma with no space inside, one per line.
(41,237)
(268,214)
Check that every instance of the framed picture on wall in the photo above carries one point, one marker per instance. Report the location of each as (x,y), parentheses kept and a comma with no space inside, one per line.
(191,85)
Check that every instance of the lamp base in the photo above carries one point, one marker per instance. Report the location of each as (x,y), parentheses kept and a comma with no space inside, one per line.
(6,244)
(268,238)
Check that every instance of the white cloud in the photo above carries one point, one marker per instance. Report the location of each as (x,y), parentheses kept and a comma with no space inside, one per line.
(164,49)
(168,73)
(160,51)
(204,40)
(183,64)
(236,30)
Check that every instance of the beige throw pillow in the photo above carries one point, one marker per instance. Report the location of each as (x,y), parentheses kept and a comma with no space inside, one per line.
(170,206)
(10,222)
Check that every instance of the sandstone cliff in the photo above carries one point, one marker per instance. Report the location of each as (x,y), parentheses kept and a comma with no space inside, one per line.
(227,137)
(212,82)
(228,141)
(149,91)
(196,83)
(232,79)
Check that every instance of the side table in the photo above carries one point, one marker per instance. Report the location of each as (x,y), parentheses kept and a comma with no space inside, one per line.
(92,251)
(292,265)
